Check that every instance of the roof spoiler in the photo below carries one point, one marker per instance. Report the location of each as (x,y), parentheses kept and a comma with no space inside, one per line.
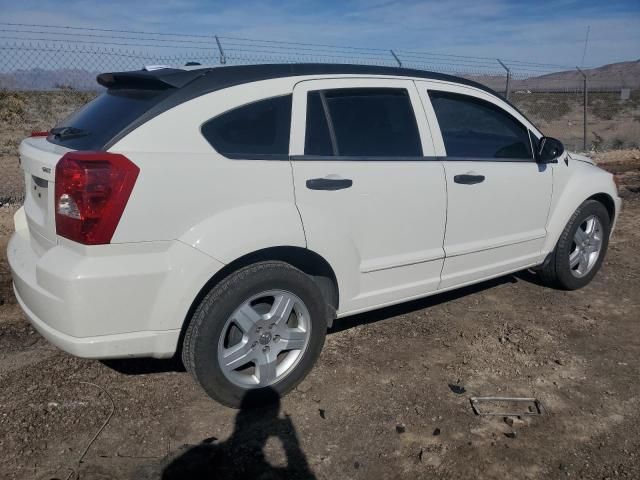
(154,79)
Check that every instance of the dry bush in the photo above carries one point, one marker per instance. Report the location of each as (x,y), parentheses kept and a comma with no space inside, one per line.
(12,107)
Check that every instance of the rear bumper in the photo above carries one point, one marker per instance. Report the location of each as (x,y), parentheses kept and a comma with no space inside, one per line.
(111,301)
(134,344)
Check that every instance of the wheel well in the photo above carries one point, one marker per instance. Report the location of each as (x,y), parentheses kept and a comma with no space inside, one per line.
(309,262)
(608,203)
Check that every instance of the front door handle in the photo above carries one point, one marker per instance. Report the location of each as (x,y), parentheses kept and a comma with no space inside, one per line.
(468,179)
(329,183)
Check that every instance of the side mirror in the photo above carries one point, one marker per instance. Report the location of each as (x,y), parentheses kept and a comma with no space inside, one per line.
(549,150)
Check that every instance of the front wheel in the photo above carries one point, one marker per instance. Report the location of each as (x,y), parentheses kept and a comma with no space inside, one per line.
(581,248)
(260,329)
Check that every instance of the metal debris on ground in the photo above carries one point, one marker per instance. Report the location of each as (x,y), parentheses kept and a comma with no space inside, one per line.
(457,389)
(533,406)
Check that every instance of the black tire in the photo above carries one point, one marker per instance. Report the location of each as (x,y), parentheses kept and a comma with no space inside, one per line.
(200,345)
(556,272)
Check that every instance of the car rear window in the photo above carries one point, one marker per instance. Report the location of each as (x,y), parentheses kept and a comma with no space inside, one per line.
(99,121)
(362,122)
(257,130)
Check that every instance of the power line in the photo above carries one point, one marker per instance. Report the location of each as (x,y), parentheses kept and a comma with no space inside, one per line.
(89,42)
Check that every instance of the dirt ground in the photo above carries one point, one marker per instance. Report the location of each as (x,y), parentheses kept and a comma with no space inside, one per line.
(389,398)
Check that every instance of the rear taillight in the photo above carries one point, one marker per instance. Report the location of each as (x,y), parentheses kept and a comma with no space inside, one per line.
(91,192)
(39,134)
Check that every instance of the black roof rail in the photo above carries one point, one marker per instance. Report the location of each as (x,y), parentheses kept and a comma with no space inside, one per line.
(192,83)
(217,78)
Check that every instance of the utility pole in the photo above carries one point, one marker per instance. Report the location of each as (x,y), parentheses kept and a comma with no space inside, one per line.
(584,120)
(508,86)
(586,42)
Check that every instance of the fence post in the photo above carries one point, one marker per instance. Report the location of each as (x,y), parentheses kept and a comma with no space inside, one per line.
(223,58)
(584,120)
(508,86)
(396,57)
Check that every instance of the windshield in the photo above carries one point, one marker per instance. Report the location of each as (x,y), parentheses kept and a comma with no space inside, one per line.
(99,121)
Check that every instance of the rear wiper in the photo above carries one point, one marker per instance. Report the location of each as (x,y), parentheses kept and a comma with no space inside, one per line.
(63,133)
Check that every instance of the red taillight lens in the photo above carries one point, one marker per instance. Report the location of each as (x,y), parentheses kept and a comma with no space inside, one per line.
(91,191)
(39,134)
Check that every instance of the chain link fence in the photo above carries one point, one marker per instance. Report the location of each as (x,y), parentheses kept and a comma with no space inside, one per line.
(47,72)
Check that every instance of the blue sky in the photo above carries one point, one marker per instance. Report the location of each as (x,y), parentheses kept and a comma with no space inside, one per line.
(540,31)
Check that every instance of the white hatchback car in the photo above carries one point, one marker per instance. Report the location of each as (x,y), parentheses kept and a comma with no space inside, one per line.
(231,214)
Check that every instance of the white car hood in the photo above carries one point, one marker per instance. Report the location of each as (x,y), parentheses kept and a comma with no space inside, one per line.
(581,158)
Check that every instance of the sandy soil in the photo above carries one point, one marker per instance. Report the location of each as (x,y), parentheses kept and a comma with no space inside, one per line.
(389,397)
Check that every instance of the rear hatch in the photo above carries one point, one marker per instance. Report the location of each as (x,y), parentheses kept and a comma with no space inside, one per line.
(38,159)
(92,128)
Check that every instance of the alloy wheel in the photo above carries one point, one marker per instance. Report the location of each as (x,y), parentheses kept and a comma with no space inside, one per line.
(264,339)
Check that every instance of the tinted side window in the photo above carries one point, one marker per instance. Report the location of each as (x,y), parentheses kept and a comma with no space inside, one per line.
(367,122)
(317,138)
(474,128)
(260,128)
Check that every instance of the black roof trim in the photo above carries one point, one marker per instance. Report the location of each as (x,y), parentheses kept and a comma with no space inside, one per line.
(217,78)
(189,84)
(160,79)
(251,73)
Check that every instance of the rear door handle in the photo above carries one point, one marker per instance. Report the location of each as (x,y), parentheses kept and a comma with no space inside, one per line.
(468,179)
(329,183)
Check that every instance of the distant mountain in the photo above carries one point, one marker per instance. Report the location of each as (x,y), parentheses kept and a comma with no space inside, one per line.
(622,74)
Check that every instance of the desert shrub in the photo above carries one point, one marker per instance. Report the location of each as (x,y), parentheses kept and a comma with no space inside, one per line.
(607,105)
(544,106)
(617,143)
(12,107)
(596,143)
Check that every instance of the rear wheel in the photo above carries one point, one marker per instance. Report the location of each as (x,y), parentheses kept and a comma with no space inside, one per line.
(261,329)
(580,249)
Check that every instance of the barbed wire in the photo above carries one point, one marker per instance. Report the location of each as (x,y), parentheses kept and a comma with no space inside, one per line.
(93,29)
(64,60)
(73,32)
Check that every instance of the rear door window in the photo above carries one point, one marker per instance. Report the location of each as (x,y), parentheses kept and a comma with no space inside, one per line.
(475,128)
(318,136)
(257,130)
(361,122)
(99,121)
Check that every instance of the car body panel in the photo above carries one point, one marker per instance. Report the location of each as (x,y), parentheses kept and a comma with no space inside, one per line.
(383,235)
(79,296)
(575,181)
(399,233)
(498,224)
